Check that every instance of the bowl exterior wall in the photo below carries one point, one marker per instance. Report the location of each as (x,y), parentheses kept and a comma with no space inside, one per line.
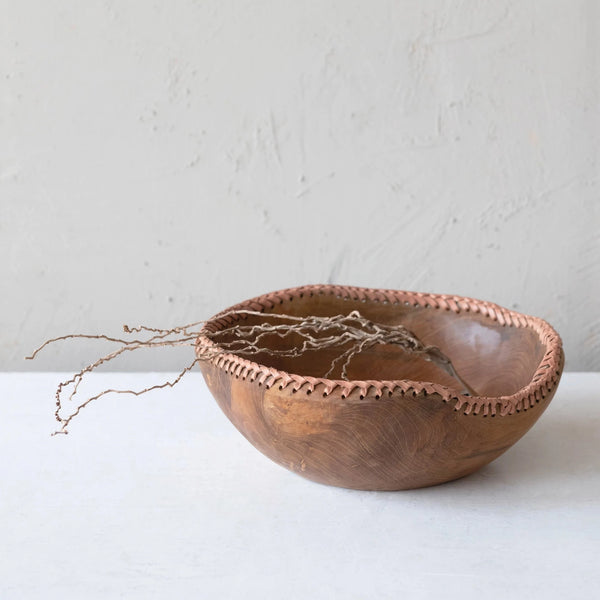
(393,442)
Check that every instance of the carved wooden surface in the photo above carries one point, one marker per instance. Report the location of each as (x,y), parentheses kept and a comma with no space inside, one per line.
(400,421)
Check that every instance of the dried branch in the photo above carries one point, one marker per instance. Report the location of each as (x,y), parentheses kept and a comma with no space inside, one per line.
(315,333)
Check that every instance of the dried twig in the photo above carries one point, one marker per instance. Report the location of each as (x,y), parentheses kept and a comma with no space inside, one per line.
(351,333)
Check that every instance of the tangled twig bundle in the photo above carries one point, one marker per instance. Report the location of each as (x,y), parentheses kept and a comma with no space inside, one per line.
(351,333)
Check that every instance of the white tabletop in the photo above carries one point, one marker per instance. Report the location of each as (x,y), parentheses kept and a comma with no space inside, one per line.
(160,497)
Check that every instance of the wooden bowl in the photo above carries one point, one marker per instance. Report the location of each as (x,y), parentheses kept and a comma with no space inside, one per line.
(400,421)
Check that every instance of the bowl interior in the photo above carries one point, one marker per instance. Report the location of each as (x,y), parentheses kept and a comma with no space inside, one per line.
(495,360)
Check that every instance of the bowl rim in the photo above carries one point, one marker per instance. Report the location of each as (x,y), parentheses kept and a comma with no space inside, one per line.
(542,384)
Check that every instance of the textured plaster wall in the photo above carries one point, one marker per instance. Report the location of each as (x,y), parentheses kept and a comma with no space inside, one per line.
(160,161)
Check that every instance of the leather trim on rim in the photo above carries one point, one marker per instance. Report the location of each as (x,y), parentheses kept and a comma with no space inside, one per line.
(543,382)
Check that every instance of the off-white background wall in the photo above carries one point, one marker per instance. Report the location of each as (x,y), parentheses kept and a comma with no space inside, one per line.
(160,161)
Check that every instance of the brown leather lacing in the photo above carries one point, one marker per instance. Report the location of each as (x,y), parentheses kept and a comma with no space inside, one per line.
(543,382)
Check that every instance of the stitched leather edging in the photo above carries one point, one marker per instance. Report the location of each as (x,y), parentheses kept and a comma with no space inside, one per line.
(543,382)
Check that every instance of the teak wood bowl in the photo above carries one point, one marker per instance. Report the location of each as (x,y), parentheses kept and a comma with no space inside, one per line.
(400,421)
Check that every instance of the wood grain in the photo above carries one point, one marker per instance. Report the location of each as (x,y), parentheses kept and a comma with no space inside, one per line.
(404,425)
